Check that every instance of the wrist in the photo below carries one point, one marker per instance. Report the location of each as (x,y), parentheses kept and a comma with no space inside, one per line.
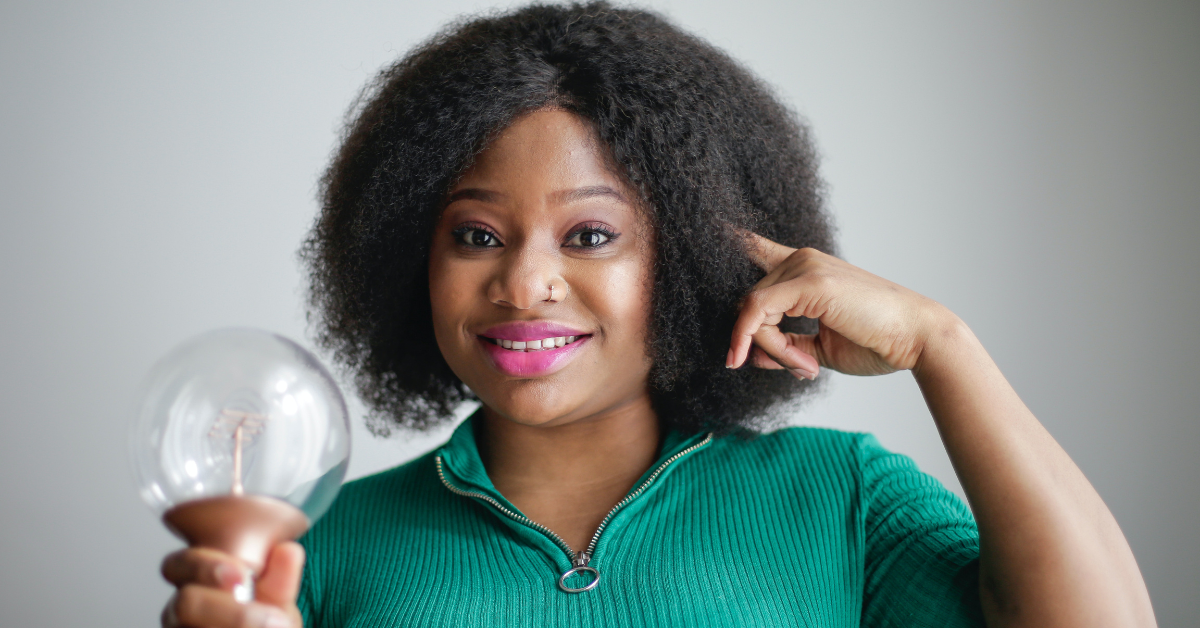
(945,339)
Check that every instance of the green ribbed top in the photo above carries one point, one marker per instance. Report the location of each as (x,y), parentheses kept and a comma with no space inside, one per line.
(799,527)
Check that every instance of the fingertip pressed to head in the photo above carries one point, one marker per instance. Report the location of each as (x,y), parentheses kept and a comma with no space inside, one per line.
(766,253)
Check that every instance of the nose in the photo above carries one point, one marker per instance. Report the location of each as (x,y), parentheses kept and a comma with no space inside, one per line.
(524,277)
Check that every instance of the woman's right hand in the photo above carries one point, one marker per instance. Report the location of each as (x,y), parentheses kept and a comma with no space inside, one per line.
(205,580)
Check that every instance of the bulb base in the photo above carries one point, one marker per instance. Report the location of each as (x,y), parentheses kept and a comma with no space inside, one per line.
(246,526)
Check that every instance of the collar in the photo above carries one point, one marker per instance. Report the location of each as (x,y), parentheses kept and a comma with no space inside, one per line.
(460,455)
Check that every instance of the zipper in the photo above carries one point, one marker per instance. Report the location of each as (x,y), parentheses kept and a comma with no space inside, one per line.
(580,560)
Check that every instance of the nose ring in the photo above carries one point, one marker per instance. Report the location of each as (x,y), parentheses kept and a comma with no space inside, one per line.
(551,293)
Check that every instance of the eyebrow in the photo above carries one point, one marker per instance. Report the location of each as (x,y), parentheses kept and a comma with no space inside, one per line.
(474,194)
(566,196)
(579,194)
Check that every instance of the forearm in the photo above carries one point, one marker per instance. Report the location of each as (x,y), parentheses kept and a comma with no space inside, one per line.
(1051,552)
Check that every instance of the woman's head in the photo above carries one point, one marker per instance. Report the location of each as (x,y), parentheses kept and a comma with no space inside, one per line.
(540,276)
(695,149)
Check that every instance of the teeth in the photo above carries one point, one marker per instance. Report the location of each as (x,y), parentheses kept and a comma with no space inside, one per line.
(537,345)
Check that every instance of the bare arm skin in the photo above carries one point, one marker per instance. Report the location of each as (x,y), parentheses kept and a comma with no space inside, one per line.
(1051,552)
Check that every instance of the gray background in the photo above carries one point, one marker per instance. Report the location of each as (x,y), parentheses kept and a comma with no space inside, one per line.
(1035,168)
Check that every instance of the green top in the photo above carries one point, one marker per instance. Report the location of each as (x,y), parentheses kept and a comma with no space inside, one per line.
(800,527)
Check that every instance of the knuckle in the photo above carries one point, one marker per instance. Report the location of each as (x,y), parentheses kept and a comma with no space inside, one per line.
(172,565)
(820,281)
(168,618)
(757,299)
(191,605)
(812,266)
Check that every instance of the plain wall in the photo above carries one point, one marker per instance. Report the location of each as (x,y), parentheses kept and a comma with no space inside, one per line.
(1035,168)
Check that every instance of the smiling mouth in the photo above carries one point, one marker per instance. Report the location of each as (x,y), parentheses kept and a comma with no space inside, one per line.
(544,344)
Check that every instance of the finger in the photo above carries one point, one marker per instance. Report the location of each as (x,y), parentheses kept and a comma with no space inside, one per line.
(767,254)
(759,359)
(197,565)
(194,605)
(808,343)
(776,345)
(280,580)
(766,307)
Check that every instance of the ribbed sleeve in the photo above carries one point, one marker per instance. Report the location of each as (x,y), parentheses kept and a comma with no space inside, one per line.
(922,546)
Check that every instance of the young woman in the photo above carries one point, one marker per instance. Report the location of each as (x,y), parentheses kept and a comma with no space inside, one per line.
(607,232)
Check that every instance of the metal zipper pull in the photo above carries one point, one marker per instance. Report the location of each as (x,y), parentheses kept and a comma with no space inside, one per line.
(579,560)
(579,565)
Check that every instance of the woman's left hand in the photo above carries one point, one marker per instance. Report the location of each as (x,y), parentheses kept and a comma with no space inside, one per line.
(868,325)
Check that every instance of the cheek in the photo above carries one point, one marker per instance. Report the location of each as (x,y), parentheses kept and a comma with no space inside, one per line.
(622,296)
(450,293)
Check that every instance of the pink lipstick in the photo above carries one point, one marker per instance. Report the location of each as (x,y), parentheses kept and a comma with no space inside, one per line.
(532,348)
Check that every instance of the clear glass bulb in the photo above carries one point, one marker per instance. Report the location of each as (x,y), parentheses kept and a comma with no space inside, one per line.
(241,440)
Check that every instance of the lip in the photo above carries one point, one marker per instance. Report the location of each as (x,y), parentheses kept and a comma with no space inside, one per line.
(524,331)
(527,364)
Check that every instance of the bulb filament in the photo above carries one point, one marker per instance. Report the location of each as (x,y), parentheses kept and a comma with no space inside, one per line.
(242,427)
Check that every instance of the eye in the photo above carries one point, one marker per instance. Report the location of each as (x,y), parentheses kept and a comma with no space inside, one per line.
(591,237)
(476,236)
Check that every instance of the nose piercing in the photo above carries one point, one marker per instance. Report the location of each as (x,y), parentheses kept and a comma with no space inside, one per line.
(551,298)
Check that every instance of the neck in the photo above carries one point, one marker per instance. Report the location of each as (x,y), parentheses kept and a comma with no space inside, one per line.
(569,476)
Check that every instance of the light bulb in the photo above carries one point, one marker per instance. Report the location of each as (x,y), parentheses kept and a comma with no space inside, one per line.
(240,441)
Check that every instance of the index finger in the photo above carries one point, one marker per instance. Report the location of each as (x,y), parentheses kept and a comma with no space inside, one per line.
(198,565)
(767,254)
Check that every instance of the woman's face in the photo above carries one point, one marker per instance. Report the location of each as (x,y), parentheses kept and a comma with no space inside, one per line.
(541,210)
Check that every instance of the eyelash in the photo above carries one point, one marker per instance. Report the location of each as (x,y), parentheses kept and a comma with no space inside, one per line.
(594,228)
(461,232)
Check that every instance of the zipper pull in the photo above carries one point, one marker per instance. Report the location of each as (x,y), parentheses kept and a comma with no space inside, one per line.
(579,565)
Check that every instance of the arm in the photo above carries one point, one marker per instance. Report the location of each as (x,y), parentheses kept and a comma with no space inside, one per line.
(1051,552)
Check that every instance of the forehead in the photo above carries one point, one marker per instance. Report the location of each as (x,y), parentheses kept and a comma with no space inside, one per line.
(546,151)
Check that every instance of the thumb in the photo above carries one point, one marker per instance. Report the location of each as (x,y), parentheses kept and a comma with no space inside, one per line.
(280,581)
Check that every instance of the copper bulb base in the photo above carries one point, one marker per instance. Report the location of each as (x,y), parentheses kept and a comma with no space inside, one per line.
(245,526)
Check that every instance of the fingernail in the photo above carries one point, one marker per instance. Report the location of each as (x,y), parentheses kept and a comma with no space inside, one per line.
(803,373)
(227,575)
(729,359)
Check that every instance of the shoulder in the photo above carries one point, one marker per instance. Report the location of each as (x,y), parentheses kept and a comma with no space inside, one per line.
(391,483)
(796,463)
(376,500)
(796,449)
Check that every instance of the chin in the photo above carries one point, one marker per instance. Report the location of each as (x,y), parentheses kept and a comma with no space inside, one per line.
(530,406)
(532,412)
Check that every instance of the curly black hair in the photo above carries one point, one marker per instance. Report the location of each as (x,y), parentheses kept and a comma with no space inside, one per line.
(705,143)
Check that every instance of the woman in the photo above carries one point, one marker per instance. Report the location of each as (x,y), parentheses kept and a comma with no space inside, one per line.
(598,226)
